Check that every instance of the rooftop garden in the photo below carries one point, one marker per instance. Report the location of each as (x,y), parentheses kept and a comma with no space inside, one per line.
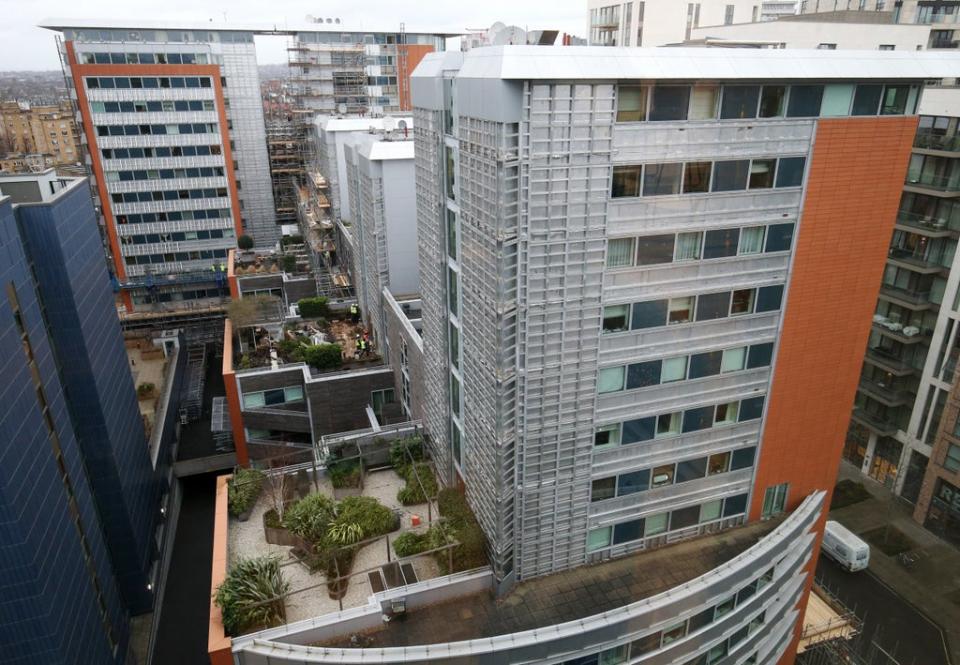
(308,541)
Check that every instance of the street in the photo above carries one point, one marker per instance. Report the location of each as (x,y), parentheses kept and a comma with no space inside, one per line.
(888,619)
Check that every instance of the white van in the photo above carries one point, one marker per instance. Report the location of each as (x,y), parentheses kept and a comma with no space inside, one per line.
(845,547)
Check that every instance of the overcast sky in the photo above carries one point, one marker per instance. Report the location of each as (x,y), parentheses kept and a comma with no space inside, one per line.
(24,46)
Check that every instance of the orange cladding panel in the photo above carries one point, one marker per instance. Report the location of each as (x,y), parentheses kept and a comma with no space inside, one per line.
(414,54)
(854,184)
(233,396)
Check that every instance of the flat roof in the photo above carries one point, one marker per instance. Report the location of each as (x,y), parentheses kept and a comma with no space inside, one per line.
(570,595)
(678,63)
(264,28)
(353,124)
(382,149)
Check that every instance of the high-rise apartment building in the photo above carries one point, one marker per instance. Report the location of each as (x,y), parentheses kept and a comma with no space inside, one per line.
(80,497)
(336,69)
(661,22)
(47,130)
(622,283)
(174,132)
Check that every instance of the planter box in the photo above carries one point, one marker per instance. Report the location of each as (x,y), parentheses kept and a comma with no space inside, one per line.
(343,492)
(277,535)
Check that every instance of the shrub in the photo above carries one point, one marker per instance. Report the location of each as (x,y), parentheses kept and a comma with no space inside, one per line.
(243,597)
(271,520)
(291,240)
(323,356)
(345,533)
(145,389)
(312,308)
(374,518)
(402,450)
(310,517)
(289,263)
(463,527)
(410,543)
(245,242)
(344,473)
(291,349)
(243,489)
(419,477)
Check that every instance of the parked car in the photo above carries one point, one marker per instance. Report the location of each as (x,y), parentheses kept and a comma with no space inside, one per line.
(845,547)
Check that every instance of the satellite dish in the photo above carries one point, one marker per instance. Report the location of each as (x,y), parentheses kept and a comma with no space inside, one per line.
(389,124)
(402,124)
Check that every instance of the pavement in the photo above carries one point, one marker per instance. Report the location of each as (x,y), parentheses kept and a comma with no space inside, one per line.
(932,586)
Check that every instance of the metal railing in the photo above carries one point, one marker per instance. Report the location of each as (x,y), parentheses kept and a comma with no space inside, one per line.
(929,141)
(932,181)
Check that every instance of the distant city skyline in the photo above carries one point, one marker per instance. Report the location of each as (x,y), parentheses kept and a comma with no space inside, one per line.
(23,46)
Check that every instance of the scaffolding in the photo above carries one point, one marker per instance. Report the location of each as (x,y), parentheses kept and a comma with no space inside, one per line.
(191,401)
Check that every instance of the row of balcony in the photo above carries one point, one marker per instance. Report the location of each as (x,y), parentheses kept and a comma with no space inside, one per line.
(947,184)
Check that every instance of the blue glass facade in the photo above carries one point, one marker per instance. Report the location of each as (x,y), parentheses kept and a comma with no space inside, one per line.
(64,245)
(77,490)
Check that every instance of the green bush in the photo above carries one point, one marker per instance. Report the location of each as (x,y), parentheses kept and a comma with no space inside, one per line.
(463,527)
(243,489)
(245,242)
(271,519)
(323,356)
(310,517)
(313,308)
(289,262)
(344,473)
(410,543)
(251,595)
(291,349)
(412,492)
(374,518)
(401,450)
(144,389)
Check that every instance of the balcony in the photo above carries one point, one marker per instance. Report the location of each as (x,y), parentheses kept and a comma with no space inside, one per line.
(938,183)
(913,261)
(887,361)
(876,423)
(914,299)
(929,141)
(899,333)
(886,393)
(932,227)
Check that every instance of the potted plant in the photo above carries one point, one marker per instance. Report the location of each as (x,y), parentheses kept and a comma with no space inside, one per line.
(252,595)
(243,490)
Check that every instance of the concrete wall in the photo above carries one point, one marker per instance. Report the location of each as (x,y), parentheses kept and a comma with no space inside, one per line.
(405,354)
(809,34)
(338,401)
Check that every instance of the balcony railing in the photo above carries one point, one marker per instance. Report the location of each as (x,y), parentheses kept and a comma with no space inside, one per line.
(928,141)
(886,393)
(879,424)
(914,260)
(941,183)
(912,298)
(908,335)
(887,360)
(934,226)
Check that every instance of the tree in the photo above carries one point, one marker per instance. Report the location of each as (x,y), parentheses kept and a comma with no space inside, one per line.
(245,242)
(246,312)
(323,356)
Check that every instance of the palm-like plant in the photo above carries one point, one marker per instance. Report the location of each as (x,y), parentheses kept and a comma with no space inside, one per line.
(252,595)
(345,533)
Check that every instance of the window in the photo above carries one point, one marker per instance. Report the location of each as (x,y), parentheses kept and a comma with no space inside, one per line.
(790,171)
(649,314)
(619,252)
(760,355)
(709,512)
(952,461)
(640,429)
(696,177)
(697,419)
(743,458)
(772,101)
(603,488)
(680,310)
(769,298)
(610,379)
(662,475)
(615,318)
(804,101)
(653,250)
(742,302)
(731,175)
(688,246)
(739,101)
(774,500)
(721,243)
(662,179)
(888,47)
(733,359)
(734,505)
(668,424)
(669,102)
(454,345)
(633,482)
(673,369)
(751,409)
(674,633)
(598,538)
(779,237)
(713,306)
(643,375)
(607,435)
(647,643)
(827,47)
(453,296)
(717,653)
(684,518)
(728,14)
(718,463)
(705,364)
(894,100)
(656,524)
(703,104)
(627,531)
(866,99)
(751,240)
(726,413)
(691,469)
(631,103)
(451,234)
(626,181)
(761,173)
